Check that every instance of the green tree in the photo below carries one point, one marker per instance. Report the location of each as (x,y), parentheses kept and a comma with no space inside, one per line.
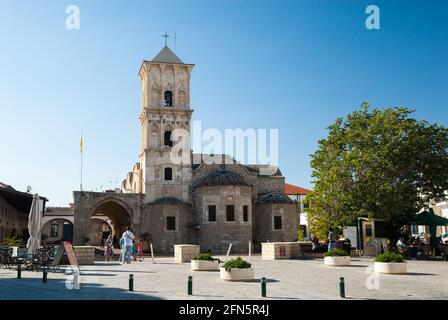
(379,163)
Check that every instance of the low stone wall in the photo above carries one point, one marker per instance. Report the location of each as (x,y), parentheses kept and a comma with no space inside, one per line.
(280,250)
(85,255)
(184,252)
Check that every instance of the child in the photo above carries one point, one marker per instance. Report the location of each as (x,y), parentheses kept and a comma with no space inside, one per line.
(140,250)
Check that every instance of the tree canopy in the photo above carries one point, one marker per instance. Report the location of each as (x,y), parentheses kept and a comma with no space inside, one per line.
(377,163)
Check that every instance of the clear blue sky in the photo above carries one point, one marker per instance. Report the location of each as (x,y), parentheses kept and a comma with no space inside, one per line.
(291,65)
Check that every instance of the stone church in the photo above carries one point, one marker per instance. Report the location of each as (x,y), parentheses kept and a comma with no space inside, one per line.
(212,205)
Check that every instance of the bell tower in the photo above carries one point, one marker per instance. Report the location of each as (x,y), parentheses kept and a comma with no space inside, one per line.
(165,108)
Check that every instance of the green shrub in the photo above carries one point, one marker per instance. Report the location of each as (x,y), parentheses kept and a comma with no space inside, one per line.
(336,253)
(237,263)
(389,257)
(204,257)
(300,235)
(11,242)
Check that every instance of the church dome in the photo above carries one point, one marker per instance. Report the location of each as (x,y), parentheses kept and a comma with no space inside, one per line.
(221,177)
(274,197)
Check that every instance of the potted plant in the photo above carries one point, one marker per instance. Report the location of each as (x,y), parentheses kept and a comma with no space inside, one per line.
(237,270)
(204,262)
(337,257)
(390,263)
(11,242)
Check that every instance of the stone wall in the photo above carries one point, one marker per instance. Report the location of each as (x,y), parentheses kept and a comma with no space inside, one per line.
(11,221)
(216,236)
(264,222)
(85,255)
(154,221)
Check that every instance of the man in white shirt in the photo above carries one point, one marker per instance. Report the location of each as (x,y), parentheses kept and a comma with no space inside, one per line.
(128,237)
(401,246)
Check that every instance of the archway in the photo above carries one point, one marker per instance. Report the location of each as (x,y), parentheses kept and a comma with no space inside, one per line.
(108,217)
(100,229)
(57,229)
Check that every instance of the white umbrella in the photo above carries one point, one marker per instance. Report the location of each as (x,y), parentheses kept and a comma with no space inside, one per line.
(34,226)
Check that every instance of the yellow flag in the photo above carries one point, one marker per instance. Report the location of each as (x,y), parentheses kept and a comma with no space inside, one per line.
(80,145)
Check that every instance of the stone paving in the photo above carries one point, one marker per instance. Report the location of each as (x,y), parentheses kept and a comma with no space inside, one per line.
(287,279)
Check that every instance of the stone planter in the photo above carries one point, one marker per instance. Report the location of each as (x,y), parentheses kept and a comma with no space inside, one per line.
(391,267)
(235,274)
(337,261)
(185,252)
(14,251)
(280,250)
(204,265)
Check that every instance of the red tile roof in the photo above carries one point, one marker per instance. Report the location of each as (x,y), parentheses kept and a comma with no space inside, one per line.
(291,189)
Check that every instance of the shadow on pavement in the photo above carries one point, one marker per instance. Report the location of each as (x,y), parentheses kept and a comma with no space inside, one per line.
(85,272)
(419,274)
(267,280)
(56,289)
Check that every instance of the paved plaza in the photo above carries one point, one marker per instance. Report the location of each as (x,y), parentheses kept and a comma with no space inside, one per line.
(287,279)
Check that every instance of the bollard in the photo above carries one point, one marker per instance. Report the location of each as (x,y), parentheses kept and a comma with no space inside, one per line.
(44,276)
(190,285)
(341,287)
(263,287)
(76,279)
(131,282)
(19,271)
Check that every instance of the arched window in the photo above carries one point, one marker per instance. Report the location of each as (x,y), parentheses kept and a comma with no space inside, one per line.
(168,99)
(54,229)
(167,139)
(168,174)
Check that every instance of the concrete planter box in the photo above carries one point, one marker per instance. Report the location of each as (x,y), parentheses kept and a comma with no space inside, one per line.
(337,261)
(235,274)
(280,250)
(391,267)
(14,251)
(85,255)
(185,252)
(204,265)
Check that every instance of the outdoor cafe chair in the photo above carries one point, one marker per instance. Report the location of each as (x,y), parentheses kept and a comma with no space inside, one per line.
(444,252)
(427,251)
(6,259)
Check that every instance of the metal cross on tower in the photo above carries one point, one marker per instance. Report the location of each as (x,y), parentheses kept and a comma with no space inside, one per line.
(166,36)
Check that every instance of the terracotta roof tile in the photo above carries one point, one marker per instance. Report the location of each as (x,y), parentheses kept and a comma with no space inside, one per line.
(292,189)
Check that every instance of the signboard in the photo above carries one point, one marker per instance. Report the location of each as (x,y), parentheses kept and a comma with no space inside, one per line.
(58,255)
(351,234)
(70,254)
(384,244)
(282,251)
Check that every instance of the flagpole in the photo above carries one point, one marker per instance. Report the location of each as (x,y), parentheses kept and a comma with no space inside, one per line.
(81,173)
(81,147)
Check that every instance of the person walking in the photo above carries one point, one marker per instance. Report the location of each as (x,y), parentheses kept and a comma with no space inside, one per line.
(108,249)
(140,250)
(331,240)
(128,237)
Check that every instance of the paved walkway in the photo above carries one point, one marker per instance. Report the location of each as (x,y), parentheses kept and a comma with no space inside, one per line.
(287,279)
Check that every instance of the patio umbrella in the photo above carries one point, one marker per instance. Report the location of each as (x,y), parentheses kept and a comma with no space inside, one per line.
(428,218)
(34,225)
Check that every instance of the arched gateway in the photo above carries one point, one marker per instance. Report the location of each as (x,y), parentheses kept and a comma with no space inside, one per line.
(117,210)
